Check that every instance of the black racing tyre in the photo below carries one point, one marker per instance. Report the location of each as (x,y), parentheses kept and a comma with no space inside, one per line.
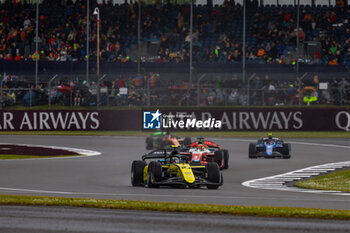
(213,175)
(218,157)
(137,168)
(226,158)
(160,143)
(187,141)
(149,143)
(252,151)
(154,174)
(286,149)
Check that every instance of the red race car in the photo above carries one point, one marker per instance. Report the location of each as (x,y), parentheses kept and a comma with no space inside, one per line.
(204,151)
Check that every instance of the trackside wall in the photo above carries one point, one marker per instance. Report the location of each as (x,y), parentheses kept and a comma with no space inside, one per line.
(238,119)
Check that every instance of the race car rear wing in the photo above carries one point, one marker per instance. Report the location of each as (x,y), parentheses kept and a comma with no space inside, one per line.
(207,143)
(156,154)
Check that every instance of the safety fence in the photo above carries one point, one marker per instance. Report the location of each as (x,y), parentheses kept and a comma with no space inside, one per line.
(112,68)
(154,89)
(88,97)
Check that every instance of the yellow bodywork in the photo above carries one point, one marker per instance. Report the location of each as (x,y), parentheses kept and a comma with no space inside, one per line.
(145,170)
(183,170)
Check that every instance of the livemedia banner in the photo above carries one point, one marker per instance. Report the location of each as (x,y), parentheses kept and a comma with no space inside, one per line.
(249,119)
(240,119)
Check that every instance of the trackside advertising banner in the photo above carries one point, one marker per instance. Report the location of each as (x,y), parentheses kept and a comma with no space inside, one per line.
(252,119)
(69,120)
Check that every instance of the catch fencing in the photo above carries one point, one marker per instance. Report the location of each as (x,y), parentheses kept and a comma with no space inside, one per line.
(170,89)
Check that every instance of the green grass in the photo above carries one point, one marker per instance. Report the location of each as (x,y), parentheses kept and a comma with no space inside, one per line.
(335,181)
(227,134)
(7,157)
(177,207)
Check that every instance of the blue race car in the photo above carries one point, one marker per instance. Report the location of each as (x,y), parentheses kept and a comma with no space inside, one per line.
(269,147)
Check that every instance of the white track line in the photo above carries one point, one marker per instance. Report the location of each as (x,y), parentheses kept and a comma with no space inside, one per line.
(86,153)
(272,182)
(294,142)
(177,196)
(278,182)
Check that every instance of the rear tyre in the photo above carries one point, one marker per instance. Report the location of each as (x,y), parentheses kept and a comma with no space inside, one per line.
(218,158)
(286,151)
(213,174)
(160,143)
(286,148)
(187,141)
(226,158)
(252,151)
(154,174)
(149,143)
(137,168)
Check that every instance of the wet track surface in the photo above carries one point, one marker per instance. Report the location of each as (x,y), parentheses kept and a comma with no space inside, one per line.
(64,219)
(108,176)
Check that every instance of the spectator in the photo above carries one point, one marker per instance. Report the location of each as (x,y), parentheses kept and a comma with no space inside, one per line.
(233,97)
(183,85)
(272,37)
(138,82)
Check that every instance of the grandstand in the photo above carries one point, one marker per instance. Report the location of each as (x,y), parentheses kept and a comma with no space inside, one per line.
(217,33)
(270,51)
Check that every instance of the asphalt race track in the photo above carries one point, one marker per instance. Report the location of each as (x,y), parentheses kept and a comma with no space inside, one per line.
(65,219)
(108,175)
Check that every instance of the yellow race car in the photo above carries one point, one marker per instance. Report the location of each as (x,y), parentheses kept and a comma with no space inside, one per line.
(170,168)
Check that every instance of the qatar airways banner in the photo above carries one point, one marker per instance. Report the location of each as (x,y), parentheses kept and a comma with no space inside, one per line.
(69,120)
(242,119)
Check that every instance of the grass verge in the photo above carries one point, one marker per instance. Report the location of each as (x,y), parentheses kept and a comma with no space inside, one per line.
(335,181)
(228,134)
(8,157)
(287,212)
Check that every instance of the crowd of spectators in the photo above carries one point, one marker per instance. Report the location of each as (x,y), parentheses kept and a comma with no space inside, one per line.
(217,34)
(133,91)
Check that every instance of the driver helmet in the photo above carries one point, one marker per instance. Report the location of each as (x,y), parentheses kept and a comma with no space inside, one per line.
(174,160)
(200,141)
(269,135)
(174,151)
